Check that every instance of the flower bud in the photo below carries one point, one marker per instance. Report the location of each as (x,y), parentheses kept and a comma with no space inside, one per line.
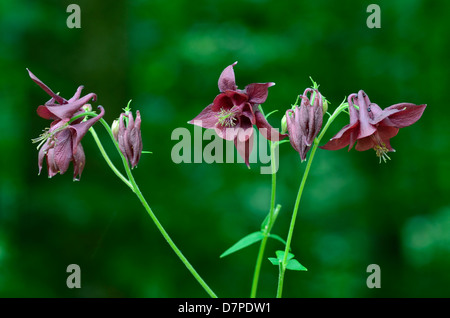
(87,107)
(325,106)
(115,129)
(129,137)
(305,122)
(283,125)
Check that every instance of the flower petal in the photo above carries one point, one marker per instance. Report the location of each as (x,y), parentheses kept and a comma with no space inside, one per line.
(407,114)
(266,129)
(244,148)
(206,119)
(227,81)
(63,153)
(222,102)
(58,98)
(257,92)
(79,160)
(365,143)
(366,128)
(64,111)
(79,130)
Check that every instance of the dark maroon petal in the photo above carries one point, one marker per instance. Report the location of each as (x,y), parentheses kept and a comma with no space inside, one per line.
(366,128)
(347,137)
(366,143)
(266,129)
(387,132)
(348,134)
(63,150)
(237,98)
(407,114)
(227,133)
(380,115)
(77,94)
(247,110)
(136,140)
(244,148)
(79,160)
(206,119)
(295,133)
(227,81)
(121,136)
(59,99)
(257,92)
(222,102)
(66,110)
(51,164)
(79,130)
(244,128)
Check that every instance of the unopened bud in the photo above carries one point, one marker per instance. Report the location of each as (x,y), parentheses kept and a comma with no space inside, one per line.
(115,129)
(87,107)
(325,106)
(283,125)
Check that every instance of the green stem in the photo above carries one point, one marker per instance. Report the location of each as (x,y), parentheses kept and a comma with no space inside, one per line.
(268,227)
(299,195)
(165,234)
(108,161)
(134,187)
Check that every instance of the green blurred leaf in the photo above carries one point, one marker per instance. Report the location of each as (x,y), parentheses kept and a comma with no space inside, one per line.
(244,242)
(280,255)
(274,261)
(278,238)
(295,265)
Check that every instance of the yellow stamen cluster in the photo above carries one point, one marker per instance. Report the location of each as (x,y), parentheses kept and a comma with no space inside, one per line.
(381,151)
(226,117)
(46,135)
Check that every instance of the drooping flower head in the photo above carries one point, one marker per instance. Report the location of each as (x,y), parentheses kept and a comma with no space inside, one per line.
(61,143)
(371,127)
(127,133)
(234,112)
(305,122)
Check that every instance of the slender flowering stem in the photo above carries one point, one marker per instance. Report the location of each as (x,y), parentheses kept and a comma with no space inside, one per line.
(134,187)
(108,161)
(299,195)
(268,227)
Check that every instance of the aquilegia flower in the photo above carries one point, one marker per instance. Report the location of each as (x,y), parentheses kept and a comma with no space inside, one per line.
(304,123)
(371,127)
(61,143)
(128,135)
(234,112)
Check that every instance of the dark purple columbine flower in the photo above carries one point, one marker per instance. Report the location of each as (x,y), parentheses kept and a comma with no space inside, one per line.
(371,127)
(61,143)
(305,122)
(234,112)
(128,134)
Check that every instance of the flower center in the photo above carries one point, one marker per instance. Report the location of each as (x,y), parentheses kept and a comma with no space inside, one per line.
(47,134)
(380,148)
(381,151)
(227,117)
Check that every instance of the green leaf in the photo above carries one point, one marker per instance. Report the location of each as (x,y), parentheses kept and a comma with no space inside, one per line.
(274,217)
(274,261)
(280,255)
(244,242)
(143,151)
(294,265)
(278,238)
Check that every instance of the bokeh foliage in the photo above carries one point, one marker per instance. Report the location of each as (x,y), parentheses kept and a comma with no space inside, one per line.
(166,56)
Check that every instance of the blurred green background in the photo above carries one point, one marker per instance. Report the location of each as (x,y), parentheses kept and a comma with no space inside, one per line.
(167,56)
